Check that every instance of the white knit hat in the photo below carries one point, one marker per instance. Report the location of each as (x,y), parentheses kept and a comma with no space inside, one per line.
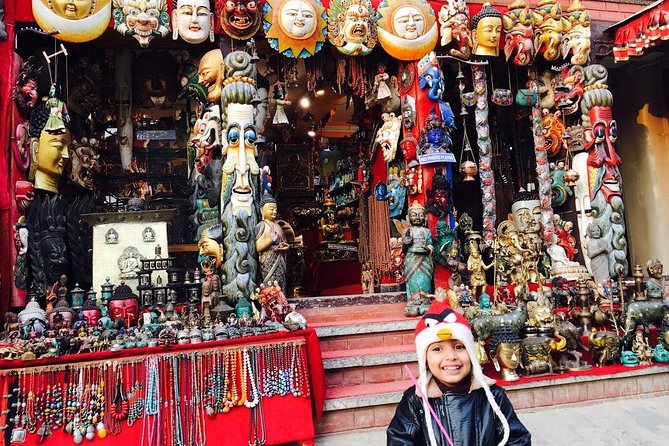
(442,323)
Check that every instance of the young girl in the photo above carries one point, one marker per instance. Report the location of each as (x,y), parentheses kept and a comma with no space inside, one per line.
(472,410)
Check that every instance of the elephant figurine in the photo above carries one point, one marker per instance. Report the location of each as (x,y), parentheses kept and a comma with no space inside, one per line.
(605,347)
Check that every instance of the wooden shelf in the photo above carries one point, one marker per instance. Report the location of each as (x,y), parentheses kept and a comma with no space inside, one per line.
(182,248)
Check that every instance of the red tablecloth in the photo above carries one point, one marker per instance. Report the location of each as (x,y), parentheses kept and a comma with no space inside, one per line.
(287,418)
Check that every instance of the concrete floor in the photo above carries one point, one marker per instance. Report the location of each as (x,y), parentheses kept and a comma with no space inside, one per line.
(633,421)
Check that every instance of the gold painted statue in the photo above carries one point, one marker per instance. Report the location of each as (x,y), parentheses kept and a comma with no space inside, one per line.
(487,31)
(271,244)
(476,266)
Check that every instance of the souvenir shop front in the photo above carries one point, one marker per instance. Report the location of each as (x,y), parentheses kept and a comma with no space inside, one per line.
(181,173)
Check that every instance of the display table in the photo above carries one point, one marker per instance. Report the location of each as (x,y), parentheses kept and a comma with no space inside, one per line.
(178,386)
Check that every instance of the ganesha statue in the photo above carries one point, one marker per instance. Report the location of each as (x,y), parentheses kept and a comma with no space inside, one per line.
(519,39)
(142,19)
(352,26)
(576,38)
(548,28)
(454,28)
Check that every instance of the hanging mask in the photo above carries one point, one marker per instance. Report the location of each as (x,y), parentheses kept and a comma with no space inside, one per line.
(388,136)
(239,19)
(454,28)
(76,21)
(295,28)
(548,28)
(553,132)
(141,19)
(569,91)
(192,20)
(576,38)
(407,28)
(352,26)
(84,162)
(519,39)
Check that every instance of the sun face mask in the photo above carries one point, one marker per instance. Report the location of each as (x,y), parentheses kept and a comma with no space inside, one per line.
(295,28)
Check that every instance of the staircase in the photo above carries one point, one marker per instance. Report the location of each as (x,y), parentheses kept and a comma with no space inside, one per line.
(366,340)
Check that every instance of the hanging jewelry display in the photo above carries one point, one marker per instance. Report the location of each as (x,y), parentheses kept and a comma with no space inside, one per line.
(485,152)
(543,171)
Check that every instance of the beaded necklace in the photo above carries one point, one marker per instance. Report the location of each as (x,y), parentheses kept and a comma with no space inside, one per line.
(257,435)
(249,372)
(176,398)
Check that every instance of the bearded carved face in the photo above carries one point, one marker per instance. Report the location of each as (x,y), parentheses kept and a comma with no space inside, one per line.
(388,136)
(142,19)
(240,161)
(239,19)
(602,156)
(84,159)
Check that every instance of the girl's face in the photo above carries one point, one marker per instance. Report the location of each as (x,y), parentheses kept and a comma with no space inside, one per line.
(449,362)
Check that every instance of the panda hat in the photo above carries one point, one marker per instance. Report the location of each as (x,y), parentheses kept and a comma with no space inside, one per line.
(442,323)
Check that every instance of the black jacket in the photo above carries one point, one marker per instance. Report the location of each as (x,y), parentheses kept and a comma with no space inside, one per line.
(468,419)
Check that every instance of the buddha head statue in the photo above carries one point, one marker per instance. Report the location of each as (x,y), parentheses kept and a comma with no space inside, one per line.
(124,305)
(91,312)
(487,31)
(61,316)
(576,37)
(505,351)
(268,207)
(193,20)
(49,150)
(352,26)
(409,145)
(519,39)
(526,211)
(239,19)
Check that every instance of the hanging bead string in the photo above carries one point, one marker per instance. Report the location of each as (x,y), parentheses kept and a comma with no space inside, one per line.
(92,399)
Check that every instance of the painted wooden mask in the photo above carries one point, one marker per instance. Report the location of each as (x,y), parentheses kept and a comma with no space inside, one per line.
(519,39)
(141,19)
(239,19)
(576,39)
(352,26)
(295,28)
(548,29)
(407,28)
(76,20)
(454,28)
(193,20)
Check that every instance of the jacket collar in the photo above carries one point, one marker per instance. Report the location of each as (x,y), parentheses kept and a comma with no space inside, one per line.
(433,390)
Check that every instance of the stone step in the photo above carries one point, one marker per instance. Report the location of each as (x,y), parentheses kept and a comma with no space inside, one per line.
(373,405)
(348,309)
(366,357)
(367,334)
(386,373)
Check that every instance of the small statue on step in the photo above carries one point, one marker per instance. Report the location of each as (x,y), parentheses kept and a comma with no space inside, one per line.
(641,348)
(655,282)
(417,245)
(367,278)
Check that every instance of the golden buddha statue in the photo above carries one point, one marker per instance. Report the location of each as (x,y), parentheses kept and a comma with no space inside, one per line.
(487,31)
(271,244)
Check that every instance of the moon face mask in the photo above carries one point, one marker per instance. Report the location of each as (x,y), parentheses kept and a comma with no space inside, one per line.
(407,28)
(76,20)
